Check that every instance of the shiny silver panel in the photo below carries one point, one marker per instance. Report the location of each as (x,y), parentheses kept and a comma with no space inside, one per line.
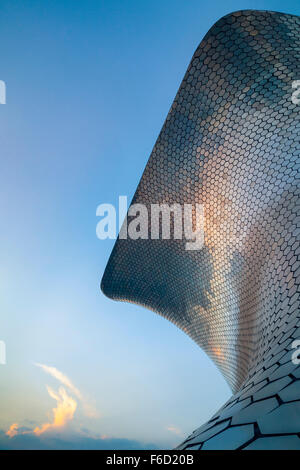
(231,143)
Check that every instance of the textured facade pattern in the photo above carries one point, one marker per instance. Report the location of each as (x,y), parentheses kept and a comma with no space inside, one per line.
(231,143)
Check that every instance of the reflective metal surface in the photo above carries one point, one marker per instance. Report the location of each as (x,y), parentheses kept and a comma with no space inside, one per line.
(231,143)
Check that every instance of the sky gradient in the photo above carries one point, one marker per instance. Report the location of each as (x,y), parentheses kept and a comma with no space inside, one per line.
(89,85)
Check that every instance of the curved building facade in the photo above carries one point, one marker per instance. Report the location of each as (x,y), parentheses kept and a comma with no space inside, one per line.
(231,143)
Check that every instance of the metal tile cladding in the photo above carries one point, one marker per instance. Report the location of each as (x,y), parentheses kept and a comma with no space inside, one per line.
(231,143)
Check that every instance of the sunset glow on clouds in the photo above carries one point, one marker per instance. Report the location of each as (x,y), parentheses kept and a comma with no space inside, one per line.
(13,430)
(64,411)
(62,414)
(68,400)
(64,380)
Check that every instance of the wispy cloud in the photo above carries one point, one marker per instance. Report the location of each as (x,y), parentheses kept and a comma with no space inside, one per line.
(174,430)
(64,380)
(62,414)
(66,405)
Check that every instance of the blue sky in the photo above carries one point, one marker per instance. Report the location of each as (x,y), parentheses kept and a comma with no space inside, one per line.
(89,85)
